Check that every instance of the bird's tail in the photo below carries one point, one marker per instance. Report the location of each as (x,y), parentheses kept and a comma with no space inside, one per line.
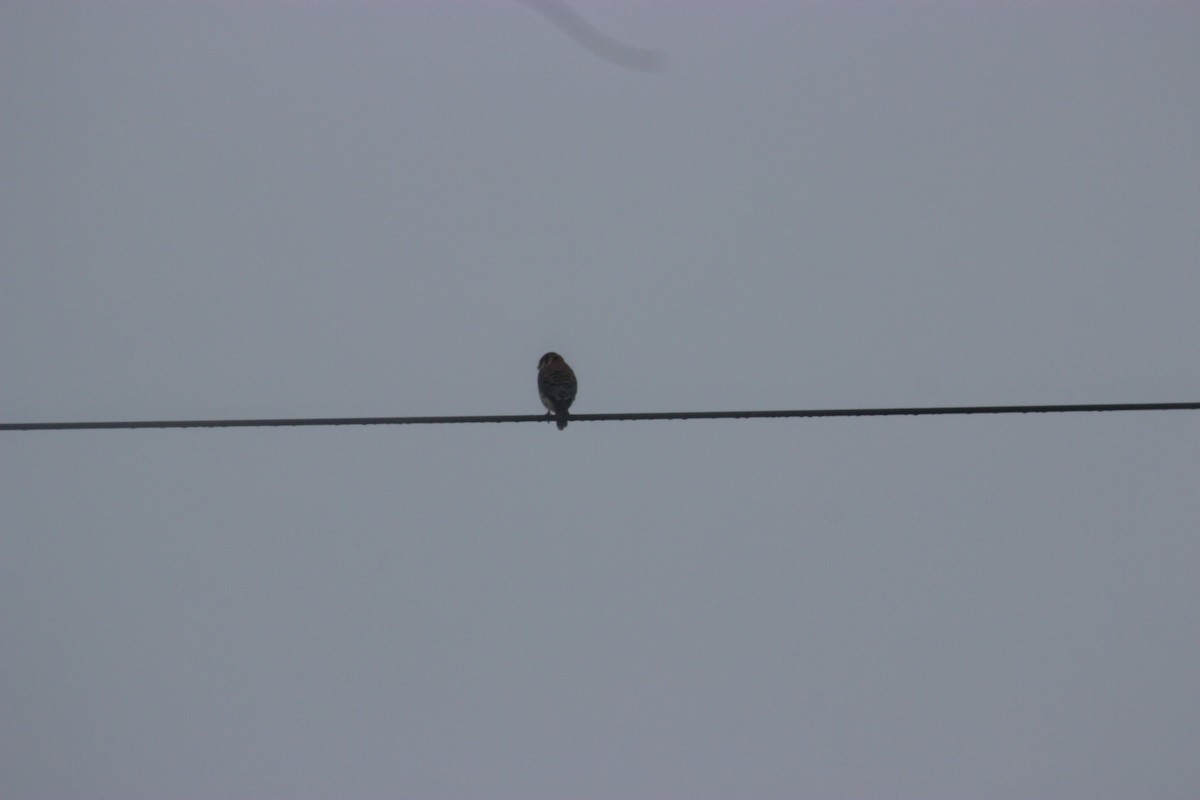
(561,420)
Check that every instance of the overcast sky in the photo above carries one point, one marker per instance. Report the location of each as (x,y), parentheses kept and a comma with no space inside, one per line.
(289,209)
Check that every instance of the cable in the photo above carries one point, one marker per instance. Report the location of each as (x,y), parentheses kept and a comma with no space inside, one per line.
(593,39)
(826,412)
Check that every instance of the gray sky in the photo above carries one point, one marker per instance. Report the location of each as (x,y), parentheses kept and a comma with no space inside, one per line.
(302,209)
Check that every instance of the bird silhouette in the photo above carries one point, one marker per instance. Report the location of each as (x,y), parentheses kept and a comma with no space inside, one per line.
(556,386)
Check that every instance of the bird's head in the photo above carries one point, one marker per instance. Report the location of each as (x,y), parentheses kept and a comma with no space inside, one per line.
(548,359)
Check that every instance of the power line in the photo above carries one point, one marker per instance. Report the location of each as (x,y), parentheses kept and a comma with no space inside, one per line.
(821,412)
(593,39)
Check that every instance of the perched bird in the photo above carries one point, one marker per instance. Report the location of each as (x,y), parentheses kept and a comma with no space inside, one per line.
(556,386)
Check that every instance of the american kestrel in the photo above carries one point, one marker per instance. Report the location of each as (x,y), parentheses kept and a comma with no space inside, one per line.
(556,386)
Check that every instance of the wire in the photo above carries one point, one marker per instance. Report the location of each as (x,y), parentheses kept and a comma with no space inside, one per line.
(593,39)
(825,412)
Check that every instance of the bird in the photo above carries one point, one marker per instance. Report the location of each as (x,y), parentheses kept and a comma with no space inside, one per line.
(556,386)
